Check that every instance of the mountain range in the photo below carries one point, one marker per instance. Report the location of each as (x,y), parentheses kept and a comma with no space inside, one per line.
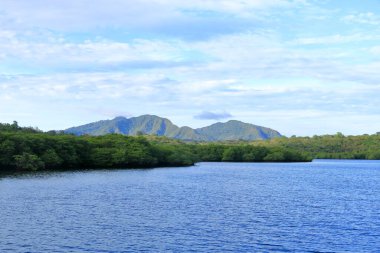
(154,125)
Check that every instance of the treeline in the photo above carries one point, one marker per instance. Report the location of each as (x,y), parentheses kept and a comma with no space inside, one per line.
(21,149)
(31,149)
(14,127)
(335,146)
(243,152)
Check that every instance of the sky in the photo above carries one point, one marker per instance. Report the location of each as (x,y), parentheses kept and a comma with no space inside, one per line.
(302,67)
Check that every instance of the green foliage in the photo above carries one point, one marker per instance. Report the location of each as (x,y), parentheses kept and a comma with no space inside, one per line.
(276,156)
(103,157)
(335,146)
(374,155)
(7,151)
(51,159)
(233,154)
(29,162)
(36,151)
(14,127)
(254,154)
(30,149)
(210,152)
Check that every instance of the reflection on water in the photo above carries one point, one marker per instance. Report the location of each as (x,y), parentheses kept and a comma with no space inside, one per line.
(324,206)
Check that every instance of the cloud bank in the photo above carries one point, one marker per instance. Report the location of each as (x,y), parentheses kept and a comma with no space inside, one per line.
(289,65)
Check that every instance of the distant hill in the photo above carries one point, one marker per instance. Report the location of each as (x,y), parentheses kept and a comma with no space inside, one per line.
(154,125)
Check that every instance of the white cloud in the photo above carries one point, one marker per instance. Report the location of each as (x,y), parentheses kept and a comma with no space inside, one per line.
(84,15)
(93,56)
(368,18)
(177,58)
(337,39)
(243,7)
(113,94)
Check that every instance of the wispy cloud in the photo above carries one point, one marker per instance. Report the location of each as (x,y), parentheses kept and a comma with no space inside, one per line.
(368,18)
(182,19)
(337,39)
(205,115)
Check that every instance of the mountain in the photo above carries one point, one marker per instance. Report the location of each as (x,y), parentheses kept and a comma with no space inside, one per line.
(237,130)
(154,125)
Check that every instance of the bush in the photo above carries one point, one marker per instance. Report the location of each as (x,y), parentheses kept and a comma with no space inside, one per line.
(29,162)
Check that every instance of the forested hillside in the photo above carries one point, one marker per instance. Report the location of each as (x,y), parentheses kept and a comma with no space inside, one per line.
(154,125)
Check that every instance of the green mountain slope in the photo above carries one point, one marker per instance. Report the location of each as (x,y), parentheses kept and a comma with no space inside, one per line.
(237,130)
(154,125)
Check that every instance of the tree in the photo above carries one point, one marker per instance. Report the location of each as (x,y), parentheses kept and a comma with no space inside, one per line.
(375,155)
(233,154)
(254,154)
(276,156)
(102,157)
(29,162)
(51,159)
(7,151)
(14,125)
(209,152)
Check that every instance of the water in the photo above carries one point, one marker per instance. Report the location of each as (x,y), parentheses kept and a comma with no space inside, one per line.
(322,206)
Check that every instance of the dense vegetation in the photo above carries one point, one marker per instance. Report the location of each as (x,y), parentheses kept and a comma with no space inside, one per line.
(31,149)
(335,146)
(295,149)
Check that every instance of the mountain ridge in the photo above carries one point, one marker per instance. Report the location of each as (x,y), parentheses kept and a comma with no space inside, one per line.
(152,124)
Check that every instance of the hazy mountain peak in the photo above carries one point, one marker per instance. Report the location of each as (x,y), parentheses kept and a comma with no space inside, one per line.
(120,118)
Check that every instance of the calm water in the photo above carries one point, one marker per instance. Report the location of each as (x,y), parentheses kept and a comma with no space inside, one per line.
(212,207)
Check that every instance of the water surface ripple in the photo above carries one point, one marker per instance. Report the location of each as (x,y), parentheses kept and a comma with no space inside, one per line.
(212,207)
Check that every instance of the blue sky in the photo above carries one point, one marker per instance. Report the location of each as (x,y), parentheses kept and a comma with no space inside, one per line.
(302,67)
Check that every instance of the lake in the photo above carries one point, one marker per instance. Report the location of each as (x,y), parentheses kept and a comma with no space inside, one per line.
(324,206)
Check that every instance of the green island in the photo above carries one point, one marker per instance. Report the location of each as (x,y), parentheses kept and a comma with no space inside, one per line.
(29,149)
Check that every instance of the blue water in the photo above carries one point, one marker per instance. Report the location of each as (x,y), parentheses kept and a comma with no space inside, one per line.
(324,206)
